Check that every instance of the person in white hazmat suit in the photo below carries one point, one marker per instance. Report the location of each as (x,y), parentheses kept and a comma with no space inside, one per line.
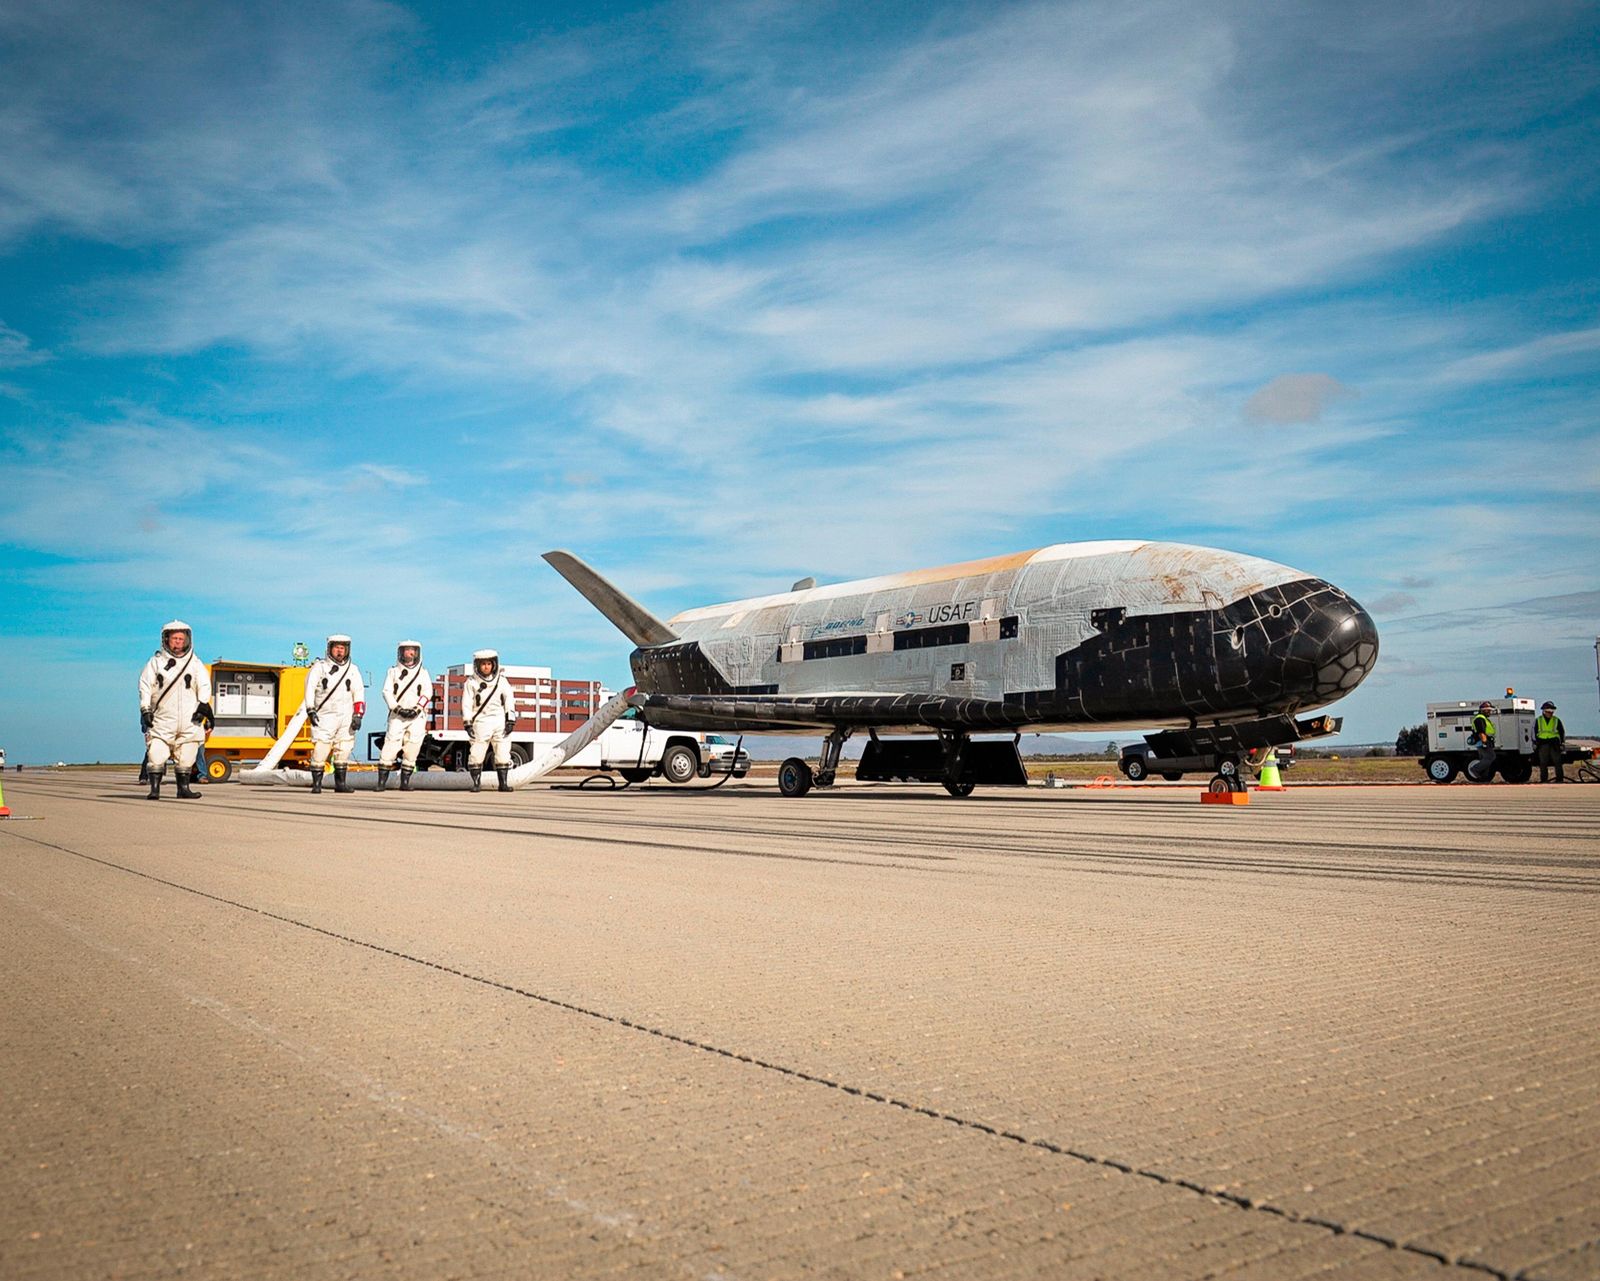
(174,710)
(408,690)
(489,709)
(336,700)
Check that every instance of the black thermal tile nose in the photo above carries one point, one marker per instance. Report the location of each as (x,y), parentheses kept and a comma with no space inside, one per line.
(1347,649)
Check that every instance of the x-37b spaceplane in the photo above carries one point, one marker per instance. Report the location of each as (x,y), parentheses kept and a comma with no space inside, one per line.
(1219,650)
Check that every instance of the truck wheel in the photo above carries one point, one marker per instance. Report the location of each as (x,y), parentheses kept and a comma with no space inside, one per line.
(679,764)
(520,755)
(794,777)
(1172,775)
(219,769)
(1229,765)
(1518,771)
(1473,776)
(1441,770)
(1135,768)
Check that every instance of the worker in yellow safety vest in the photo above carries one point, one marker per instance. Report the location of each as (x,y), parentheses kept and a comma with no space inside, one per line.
(1482,737)
(1549,742)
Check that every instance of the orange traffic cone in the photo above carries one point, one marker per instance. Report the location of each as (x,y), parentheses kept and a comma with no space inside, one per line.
(5,811)
(1271,780)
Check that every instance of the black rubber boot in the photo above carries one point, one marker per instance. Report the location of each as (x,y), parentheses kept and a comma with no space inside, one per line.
(383,779)
(185,791)
(316,779)
(405,778)
(500,772)
(477,777)
(155,783)
(341,781)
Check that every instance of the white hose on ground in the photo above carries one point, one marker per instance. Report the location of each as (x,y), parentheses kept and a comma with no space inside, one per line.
(266,774)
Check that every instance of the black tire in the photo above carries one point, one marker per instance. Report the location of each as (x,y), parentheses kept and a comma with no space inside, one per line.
(794,777)
(1472,775)
(1225,783)
(1172,775)
(635,774)
(521,754)
(219,769)
(1518,771)
(1441,769)
(1135,768)
(679,763)
(960,790)
(1229,765)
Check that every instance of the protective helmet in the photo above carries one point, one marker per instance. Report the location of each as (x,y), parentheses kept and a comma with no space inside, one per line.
(493,657)
(400,652)
(1486,706)
(177,625)
(338,638)
(1548,706)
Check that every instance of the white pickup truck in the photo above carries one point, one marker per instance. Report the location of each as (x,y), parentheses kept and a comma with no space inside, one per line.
(625,748)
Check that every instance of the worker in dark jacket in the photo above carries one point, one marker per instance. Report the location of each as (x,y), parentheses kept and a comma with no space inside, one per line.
(1549,742)
(1482,737)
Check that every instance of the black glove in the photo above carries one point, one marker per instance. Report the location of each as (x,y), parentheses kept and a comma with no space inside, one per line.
(311,719)
(146,720)
(511,725)
(203,715)
(355,722)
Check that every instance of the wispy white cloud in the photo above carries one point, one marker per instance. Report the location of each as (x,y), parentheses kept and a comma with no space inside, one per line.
(16,350)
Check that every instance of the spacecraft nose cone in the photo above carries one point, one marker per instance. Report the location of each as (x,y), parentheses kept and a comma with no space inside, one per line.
(1345,641)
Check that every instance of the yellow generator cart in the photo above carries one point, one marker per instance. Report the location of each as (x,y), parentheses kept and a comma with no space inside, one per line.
(254,703)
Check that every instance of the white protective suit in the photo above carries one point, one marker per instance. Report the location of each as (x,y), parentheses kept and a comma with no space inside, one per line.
(409,693)
(171,688)
(334,693)
(486,704)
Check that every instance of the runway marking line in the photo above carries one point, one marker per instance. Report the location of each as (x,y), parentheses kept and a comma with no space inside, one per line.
(1220,1195)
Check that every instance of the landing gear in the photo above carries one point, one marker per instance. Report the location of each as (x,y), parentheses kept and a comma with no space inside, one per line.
(954,743)
(1226,783)
(828,766)
(794,777)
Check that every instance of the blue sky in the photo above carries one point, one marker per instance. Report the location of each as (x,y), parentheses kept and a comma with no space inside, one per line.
(335,316)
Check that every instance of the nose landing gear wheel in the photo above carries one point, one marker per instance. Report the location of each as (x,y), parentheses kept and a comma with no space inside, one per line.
(794,777)
(1225,783)
(959,789)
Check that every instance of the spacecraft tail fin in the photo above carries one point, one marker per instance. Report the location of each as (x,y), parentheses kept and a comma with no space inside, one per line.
(632,619)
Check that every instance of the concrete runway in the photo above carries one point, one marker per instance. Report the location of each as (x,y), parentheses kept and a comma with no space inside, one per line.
(872,1033)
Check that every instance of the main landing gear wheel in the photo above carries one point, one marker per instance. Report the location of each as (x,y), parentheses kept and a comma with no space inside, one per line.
(961,789)
(680,764)
(1225,783)
(794,777)
(1441,770)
